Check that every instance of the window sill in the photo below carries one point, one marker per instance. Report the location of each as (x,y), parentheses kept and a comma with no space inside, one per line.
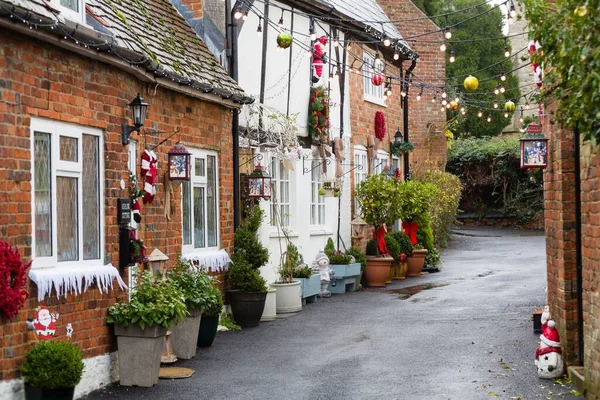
(279,235)
(372,100)
(320,232)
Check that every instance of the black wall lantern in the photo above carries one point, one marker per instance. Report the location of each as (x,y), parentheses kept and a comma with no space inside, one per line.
(138,110)
(259,183)
(179,163)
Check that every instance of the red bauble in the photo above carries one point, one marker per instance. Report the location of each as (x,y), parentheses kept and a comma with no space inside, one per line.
(377,80)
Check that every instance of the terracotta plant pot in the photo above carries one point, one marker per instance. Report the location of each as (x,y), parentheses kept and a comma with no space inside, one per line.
(416,262)
(400,270)
(378,270)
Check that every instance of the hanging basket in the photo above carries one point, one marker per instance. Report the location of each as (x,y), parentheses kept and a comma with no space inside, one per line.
(331,187)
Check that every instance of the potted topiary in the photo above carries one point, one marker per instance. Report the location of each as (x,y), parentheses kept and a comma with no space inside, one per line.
(51,370)
(210,315)
(345,267)
(406,248)
(194,284)
(248,288)
(140,325)
(379,199)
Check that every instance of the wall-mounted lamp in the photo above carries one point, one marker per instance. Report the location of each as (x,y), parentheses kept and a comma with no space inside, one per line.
(259,183)
(398,137)
(138,110)
(179,163)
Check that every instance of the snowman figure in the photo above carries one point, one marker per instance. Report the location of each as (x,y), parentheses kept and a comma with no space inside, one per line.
(321,266)
(44,323)
(548,355)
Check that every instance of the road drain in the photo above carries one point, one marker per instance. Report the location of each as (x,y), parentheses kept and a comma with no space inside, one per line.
(406,293)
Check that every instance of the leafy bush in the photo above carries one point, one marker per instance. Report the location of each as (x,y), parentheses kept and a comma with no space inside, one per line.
(228,323)
(443,206)
(433,258)
(493,180)
(303,271)
(359,257)
(193,283)
(244,277)
(52,365)
(425,232)
(214,306)
(372,248)
(247,243)
(393,246)
(403,241)
(153,302)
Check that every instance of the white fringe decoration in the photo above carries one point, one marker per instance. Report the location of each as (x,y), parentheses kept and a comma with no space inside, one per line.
(71,279)
(215,261)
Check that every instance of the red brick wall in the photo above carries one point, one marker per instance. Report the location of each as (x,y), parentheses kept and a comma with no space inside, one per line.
(40,80)
(196,6)
(430,147)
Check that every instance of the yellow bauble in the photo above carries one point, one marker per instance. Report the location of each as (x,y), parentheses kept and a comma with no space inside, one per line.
(471,83)
(509,106)
(453,105)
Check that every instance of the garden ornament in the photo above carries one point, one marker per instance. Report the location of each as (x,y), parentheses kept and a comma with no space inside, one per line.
(43,324)
(548,355)
(321,266)
(319,58)
(338,146)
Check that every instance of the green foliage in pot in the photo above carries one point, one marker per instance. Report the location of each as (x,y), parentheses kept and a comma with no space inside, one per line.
(425,232)
(380,201)
(433,258)
(290,259)
(303,271)
(193,283)
(52,365)
(247,243)
(393,246)
(403,241)
(359,257)
(336,257)
(214,306)
(153,302)
(244,277)
(372,248)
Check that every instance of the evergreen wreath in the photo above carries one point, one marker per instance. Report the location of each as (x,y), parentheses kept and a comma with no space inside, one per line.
(402,147)
(318,116)
(13,278)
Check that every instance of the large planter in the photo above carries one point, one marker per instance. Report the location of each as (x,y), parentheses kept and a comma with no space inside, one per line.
(311,288)
(400,270)
(416,262)
(270,311)
(289,297)
(184,335)
(208,330)
(32,393)
(377,271)
(247,307)
(345,278)
(392,272)
(139,354)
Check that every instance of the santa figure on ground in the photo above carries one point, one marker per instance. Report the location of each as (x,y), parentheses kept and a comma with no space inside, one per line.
(548,355)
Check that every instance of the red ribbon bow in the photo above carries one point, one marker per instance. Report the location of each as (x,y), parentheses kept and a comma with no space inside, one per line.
(383,249)
(411,228)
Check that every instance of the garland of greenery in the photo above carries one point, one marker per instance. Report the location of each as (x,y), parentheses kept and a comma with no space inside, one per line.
(399,148)
(13,278)
(318,116)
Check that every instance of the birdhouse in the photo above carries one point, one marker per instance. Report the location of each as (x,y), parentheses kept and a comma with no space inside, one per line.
(534,148)
(361,233)
(157,262)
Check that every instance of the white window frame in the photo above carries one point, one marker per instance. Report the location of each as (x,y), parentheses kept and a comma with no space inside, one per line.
(71,170)
(319,204)
(201,182)
(276,180)
(76,16)
(372,93)
(379,163)
(360,174)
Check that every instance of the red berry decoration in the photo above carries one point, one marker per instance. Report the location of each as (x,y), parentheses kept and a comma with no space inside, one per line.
(377,80)
(13,278)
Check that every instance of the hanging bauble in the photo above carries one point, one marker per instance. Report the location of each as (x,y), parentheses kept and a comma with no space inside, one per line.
(284,40)
(509,106)
(471,83)
(453,105)
(377,80)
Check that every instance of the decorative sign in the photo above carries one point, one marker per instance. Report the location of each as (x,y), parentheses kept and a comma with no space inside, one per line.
(43,323)
(123,211)
(534,148)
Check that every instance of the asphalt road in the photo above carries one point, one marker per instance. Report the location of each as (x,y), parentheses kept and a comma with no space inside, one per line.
(463,333)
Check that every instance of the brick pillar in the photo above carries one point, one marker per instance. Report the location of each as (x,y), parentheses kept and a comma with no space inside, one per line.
(196,6)
(559,213)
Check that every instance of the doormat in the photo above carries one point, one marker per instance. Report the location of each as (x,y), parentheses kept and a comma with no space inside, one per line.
(175,373)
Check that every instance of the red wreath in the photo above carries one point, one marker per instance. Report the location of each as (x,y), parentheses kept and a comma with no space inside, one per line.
(380,125)
(13,277)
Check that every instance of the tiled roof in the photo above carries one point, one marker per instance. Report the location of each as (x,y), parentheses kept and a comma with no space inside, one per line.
(158,33)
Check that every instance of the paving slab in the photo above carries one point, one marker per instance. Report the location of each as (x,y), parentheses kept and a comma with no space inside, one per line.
(463,333)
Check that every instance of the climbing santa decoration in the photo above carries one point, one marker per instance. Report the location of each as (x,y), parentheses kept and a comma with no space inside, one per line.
(548,355)
(43,324)
(319,58)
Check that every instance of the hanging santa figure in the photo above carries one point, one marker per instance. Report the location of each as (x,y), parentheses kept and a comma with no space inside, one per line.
(44,323)
(548,355)
(319,58)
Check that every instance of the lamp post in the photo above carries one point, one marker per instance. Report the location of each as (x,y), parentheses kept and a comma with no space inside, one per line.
(138,113)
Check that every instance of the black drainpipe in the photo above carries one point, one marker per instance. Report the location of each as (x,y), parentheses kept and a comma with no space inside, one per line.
(263,66)
(405,84)
(342,97)
(578,245)
(235,123)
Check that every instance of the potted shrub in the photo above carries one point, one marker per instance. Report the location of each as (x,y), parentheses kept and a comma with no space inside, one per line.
(248,288)
(379,199)
(416,261)
(289,290)
(394,250)
(140,326)
(346,269)
(432,260)
(406,249)
(310,283)
(359,257)
(51,370)
(210,316)
(194,284)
